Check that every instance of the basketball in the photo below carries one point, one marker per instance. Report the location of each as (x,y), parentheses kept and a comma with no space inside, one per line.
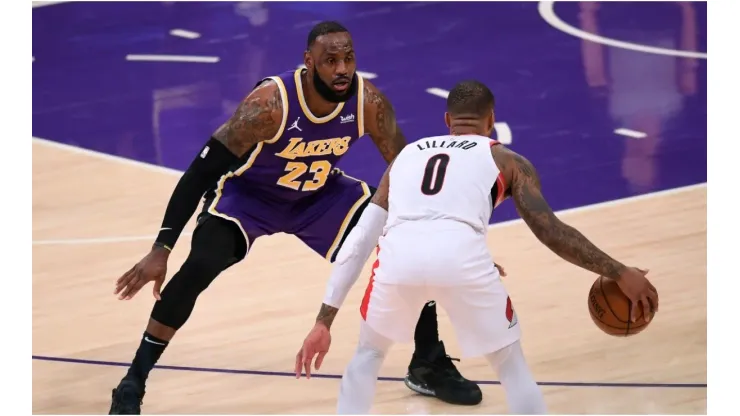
(610,309)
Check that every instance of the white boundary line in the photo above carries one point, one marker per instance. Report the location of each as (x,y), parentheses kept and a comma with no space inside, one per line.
(160,169)
(633,134)
(105,156)
(439,92)
(173,58)
(612,203)
(547,11)
(36,4)
(101,240)
(183,33)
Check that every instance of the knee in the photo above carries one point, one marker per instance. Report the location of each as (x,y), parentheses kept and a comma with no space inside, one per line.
(365,362)
(372,342)
(182,291)
(194,276)
(198,272)
(368,353)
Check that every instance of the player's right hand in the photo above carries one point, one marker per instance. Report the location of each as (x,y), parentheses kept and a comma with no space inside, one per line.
(639,290)
(316,344)
(153,267)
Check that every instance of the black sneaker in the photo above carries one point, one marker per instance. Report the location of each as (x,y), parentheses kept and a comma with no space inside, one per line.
(436,376)
(127,398)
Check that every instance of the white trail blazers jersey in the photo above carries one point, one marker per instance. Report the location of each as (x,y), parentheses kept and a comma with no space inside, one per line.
(445,177)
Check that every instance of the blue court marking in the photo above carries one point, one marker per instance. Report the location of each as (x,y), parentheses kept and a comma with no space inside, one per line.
(338,376)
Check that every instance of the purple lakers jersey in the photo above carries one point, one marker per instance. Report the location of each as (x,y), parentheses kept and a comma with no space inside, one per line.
(300,159)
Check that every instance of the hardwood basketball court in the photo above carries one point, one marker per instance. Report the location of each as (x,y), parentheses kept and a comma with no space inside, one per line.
(94,216)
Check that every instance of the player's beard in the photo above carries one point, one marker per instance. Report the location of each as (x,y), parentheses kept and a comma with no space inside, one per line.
(329,94)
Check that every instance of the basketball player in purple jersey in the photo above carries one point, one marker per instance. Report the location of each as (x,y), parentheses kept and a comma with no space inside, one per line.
(273,164)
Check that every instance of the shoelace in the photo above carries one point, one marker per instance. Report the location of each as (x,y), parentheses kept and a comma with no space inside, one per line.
(446,362)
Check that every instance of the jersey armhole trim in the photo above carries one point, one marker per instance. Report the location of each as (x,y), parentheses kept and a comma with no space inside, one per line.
(500,182)
(500,189)
(285,102)
(360,106)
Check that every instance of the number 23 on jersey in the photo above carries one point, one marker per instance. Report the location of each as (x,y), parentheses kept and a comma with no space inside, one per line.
(320,170)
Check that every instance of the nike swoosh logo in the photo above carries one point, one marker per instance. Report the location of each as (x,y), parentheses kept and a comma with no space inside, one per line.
(165,228)
(153,342)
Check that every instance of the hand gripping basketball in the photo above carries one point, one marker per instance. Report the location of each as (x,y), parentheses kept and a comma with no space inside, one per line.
(638,289)
(153,267)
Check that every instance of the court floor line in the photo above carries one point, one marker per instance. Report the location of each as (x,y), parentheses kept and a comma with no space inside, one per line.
(565,212)
(339,376)
(547,12)
(101,240)
(36,4)
(169,171)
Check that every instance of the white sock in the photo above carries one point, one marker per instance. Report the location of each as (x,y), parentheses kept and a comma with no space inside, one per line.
(523,395)
(357,390)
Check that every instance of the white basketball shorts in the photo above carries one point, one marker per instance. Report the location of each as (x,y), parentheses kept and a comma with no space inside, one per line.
(450,264)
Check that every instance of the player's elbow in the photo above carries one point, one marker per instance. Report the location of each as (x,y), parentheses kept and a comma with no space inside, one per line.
(546,236)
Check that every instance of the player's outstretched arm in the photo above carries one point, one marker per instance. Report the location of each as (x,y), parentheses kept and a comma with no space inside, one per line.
(380,123)
(562,239)
(257,118)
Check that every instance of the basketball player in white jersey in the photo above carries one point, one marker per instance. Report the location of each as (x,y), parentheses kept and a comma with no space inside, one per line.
(429,219)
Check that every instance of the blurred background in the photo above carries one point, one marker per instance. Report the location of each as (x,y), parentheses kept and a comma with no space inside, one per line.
(561,97)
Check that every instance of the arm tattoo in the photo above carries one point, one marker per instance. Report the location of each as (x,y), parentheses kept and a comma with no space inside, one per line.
(380,123)
(380,198)
(257,118)
(326,315)
(562,239)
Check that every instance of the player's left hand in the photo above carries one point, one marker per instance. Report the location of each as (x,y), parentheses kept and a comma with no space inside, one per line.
(318,342)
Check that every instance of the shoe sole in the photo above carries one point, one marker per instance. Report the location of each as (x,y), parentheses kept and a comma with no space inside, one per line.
(417,388)
(429,393)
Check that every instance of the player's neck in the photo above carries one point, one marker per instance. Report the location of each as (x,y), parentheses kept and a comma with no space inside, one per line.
(462,131)
(461,127)
(318,106)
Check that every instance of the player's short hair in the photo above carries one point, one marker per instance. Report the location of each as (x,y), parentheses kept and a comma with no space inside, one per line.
(470,97)
(324,28)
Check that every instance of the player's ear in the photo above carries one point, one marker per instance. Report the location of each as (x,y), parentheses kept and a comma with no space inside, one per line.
(308,60)
(447,119)
(491,120)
